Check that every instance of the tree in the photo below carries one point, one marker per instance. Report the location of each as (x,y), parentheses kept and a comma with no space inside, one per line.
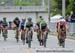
(27,2)
(73,6)
(68,7)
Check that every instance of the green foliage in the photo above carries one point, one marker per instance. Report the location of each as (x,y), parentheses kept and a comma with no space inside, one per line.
(27,3)
(37,2)
(69,7)
(56,7)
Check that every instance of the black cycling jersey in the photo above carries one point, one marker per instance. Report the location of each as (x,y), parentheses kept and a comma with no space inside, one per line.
(4,24)
(17,22)
(29,24)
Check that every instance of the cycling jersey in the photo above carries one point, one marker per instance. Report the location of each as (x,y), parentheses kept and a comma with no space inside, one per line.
(43,23)
(22,24)
(61,25)
(0,23)
(38,22)
(4,24)
(17,22)
(29,24)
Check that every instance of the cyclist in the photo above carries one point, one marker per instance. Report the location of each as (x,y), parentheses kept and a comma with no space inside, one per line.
(23,31)
(38,27)
(4,28)
(17,24)
(23,24)
(0,26)
(29,26)
(61,30)
(44,32)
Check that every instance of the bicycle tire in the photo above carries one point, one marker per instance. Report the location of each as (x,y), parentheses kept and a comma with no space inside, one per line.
(29,44)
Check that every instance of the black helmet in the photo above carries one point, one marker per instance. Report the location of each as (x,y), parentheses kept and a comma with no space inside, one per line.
(41,17)
(29,19)
(16,18)
(4,18)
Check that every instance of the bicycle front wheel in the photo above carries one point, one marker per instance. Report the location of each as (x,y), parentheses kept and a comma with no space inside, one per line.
(29,44)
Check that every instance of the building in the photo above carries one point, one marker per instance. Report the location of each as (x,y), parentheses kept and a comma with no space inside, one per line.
(23,12)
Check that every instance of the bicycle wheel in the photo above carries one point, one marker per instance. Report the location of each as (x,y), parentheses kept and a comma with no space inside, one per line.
(23,37)
(5,34)
(44,43)
(63,44)
(17,36)
(29,39)
(44,38)
(4,38)
(29,44)
(23,41)
(41,42)
(17,39)
(0,30)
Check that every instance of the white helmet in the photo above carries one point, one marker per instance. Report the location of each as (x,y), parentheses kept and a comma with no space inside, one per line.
(61,19)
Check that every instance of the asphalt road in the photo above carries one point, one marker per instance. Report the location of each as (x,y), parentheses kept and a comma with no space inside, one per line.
(10,46)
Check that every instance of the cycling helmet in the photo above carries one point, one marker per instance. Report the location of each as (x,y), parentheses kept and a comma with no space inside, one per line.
(16,18)
(4,18)
(23,19)
(29,19)
(41,17)
(0,21)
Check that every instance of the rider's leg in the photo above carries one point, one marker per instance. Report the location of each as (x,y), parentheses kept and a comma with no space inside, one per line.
(23,42)
(41,42)
(44,42)
(26,40)
(58,39)
(17,34)
(42,33)
(64,39)
(0,30)
(31,34)
(40,38)
(23,36)
(5,32)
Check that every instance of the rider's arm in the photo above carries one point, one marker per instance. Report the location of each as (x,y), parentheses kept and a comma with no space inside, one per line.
(58,27)
(6,25)
(66,26)
(32,26)
(47,29)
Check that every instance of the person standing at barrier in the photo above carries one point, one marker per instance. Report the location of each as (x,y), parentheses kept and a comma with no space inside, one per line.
(17,25)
